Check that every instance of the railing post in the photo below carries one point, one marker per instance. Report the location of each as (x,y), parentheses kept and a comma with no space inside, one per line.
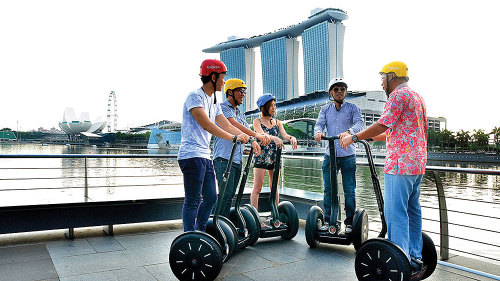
(443,218)
(86,192)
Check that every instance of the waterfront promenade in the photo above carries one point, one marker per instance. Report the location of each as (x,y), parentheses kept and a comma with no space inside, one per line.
(140,252)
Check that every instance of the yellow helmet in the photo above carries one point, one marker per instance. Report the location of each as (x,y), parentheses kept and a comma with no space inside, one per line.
(234,83)
(397,67)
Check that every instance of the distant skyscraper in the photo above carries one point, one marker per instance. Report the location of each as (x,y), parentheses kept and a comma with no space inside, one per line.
(323,39)
(240,64)
(323,54)
(279,67)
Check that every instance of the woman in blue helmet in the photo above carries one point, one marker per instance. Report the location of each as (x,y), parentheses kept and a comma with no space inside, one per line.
(266,124)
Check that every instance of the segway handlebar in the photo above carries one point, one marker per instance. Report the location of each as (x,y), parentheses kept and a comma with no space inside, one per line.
(330,138)
(376,186)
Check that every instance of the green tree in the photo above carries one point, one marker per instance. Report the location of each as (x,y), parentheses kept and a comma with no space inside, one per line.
(496,137)
(298,134)
(433,138)
(463,139)
(480,139)
(447,139)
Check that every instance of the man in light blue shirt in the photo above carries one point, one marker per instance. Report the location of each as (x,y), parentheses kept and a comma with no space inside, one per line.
(235,90)
(200,111)
(340,118)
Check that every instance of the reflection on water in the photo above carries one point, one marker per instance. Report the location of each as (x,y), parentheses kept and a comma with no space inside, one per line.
(63,180)
(473,202)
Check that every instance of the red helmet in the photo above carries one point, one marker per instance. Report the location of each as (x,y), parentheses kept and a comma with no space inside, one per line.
(209,66)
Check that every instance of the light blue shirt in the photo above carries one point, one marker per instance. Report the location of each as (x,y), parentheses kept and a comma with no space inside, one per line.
(348,117)
(222,147)
(195,141)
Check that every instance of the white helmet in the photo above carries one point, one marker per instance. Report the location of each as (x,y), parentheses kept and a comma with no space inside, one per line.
(336,81)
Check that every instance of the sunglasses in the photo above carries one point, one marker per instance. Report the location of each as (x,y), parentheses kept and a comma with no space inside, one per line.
(338,89)
(242,91)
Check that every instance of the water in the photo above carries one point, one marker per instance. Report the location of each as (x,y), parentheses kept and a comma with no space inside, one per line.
(63,180)
(116,179)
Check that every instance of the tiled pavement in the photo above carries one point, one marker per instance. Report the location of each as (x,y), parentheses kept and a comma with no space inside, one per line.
(140,252)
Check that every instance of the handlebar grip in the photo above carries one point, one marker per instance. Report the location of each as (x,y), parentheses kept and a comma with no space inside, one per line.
(330,138)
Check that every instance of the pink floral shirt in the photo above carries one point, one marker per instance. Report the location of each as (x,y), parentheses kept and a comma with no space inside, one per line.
(406,116)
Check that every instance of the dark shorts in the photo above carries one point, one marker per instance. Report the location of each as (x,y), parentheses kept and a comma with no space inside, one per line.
(264,166)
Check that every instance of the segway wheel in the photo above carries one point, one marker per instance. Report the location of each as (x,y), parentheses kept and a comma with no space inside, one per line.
(360,228)
(379,259)
(288,215)
(251,228)
(429,255)
(315,219)
(256,216)
(229,246)
(195,255)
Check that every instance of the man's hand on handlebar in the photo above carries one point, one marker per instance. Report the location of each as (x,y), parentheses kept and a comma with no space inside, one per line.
(317,136)
(345,140)
(243,138)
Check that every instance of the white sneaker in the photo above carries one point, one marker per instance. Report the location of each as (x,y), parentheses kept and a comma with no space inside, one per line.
(348,229)
(324,227)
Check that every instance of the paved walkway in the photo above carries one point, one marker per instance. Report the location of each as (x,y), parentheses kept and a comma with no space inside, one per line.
(140,252)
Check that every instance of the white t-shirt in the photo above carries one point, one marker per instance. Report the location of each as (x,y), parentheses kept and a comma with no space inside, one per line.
(195,140)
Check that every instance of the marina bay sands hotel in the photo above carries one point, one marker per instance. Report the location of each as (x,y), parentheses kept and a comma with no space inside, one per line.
(322,40)
(322,37)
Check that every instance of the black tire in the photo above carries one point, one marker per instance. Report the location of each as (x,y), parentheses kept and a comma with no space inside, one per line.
(379,259)
(256,217)
(315,218)
(288,215)
(230,233)
(251,227)
(195,255)
(360,228)
(429,255)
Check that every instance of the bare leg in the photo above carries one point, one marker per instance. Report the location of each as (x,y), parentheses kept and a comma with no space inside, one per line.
(258,181)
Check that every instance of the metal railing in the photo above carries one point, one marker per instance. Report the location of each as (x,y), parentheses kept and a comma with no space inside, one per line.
(433,172)
(83,170)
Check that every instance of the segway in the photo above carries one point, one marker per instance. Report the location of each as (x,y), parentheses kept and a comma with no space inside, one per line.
(196,255)
(316,218)
(380,259)
(284,220)
(247,226)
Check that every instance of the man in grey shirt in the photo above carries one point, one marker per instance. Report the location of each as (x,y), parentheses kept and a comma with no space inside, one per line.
(340,118)
(235,90)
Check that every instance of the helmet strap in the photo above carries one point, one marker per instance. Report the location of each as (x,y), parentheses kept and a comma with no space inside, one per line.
(387,90)
(234,99)
(215,84)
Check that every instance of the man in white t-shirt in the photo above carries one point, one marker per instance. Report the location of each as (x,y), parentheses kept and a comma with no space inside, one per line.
(200,112)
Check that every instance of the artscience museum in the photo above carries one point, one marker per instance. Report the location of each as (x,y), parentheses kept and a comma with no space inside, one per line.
(82,124)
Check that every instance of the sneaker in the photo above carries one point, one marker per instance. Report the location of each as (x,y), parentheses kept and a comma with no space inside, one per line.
(417,268)
(324,227)
(348,229)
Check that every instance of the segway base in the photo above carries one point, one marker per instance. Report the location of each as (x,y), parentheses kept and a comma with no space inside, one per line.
(341,238)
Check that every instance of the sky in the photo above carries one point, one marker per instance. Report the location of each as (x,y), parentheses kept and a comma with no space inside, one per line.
(56,54)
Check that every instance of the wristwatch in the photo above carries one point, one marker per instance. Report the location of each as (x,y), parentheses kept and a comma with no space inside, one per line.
(355,138)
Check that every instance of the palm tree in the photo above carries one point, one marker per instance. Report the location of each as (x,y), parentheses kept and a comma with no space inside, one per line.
(463,139)
(496,136)
(448,138)
(480,138)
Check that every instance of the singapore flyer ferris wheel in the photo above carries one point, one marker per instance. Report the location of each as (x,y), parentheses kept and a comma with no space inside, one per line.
(112,112)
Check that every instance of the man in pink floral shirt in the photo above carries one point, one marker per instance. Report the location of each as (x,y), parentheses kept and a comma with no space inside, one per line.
(404,126)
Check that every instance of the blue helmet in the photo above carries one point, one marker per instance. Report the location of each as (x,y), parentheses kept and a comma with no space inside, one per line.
(264,98)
